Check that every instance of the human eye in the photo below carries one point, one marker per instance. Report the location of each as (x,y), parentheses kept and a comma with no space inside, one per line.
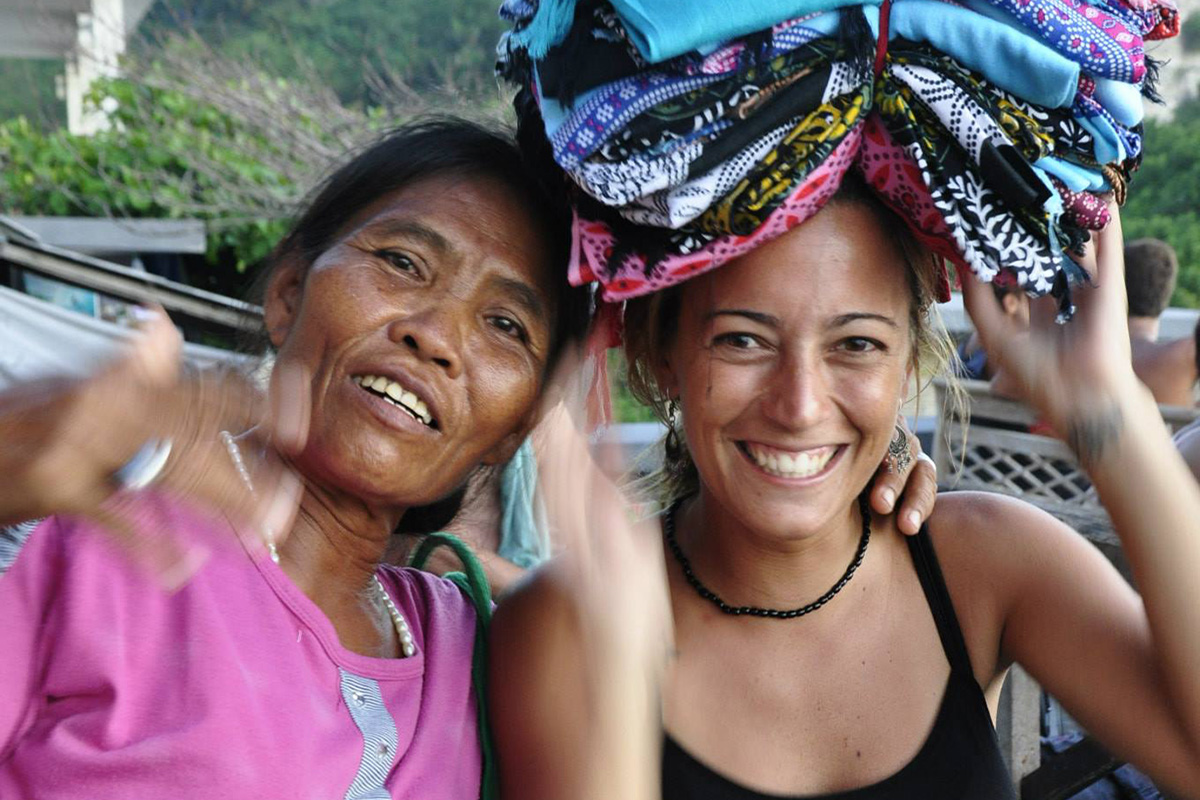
(737,341)
(509,327)
(400,261)
(861,344)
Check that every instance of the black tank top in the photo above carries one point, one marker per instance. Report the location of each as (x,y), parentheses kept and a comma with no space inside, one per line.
(960,759)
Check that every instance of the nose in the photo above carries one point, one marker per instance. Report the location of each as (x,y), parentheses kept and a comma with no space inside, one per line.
(432,336)
(798,394)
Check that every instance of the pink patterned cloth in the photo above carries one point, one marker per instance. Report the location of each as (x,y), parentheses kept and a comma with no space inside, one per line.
(886,166)
(1087,209)
(593,240)
(891,172)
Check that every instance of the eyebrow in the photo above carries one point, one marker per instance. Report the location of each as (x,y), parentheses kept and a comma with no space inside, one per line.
(524,294)
(856,316)
(410,229)
(755,316)
(773,321)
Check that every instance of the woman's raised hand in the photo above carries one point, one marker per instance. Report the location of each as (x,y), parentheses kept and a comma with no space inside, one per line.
(612,566)
(65,441)
(1074,374)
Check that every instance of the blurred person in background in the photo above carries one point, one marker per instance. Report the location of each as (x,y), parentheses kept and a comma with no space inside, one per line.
(1168,368)
(973,361)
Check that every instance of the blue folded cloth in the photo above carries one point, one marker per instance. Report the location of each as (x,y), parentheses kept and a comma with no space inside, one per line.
(986,46)
(523,532)
(662,30)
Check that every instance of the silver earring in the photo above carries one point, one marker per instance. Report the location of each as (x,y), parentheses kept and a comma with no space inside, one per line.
(672,442)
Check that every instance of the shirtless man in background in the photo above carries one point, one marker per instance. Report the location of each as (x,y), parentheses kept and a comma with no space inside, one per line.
(1168,368)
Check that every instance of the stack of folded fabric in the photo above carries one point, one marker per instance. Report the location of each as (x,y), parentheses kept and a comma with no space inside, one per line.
(697,130)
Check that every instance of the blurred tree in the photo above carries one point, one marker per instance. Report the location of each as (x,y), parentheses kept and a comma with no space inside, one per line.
(1164,197)
(419,44)
(29,91)
(195,133)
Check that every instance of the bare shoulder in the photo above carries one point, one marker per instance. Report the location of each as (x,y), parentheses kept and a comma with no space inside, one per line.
(995,550)
(537,686)
(990,532)
(538,603)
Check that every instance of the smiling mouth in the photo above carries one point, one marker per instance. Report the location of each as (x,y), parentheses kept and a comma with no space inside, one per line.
(789,463)
(394,393)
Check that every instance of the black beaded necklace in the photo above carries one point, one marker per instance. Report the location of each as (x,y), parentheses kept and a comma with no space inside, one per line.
(755,611)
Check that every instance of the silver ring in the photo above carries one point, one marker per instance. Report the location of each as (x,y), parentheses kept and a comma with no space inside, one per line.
(145,466)
(923,456)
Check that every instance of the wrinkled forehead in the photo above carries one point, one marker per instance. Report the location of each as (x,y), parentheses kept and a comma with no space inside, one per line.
(476,222)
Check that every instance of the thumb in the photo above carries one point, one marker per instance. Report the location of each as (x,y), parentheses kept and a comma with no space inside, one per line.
(157,350)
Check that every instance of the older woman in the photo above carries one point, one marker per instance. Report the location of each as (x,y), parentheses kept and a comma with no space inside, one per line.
(817,652)
(415,313)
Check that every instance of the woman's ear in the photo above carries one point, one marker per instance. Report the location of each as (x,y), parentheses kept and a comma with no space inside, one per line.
(281,301)
(665,377)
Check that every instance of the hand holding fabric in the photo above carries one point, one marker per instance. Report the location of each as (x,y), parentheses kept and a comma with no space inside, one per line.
(1073,374)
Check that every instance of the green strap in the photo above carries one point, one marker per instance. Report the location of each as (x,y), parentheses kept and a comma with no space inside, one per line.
(474,584)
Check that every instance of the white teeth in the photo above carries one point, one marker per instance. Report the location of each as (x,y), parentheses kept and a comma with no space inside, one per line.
(397,394)
(791,465)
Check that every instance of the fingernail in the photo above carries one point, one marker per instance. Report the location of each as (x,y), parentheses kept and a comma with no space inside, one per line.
(143,314)
(914,520)
(889,499)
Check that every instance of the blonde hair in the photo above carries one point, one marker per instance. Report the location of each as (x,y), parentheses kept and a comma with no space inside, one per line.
(651,323)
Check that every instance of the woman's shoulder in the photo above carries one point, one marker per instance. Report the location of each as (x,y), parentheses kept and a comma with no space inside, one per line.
(438,606)
(993,541)
(63,540)
(989,548)
(981,528)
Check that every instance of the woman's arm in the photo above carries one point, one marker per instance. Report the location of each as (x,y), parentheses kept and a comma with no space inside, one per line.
(567,725)
(62,441)
(578,651)
(1072,623)
(1067,616)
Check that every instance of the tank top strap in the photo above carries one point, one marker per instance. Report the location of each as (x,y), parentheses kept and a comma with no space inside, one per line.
(930,574)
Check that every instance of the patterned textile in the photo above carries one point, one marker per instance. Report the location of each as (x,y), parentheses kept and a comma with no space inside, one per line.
(1097,41)
(594,239)
(600,115)
(749,204)
(997,129)
(1087,210)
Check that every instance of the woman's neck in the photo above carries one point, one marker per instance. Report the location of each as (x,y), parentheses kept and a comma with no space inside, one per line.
(747,567)
(335,546)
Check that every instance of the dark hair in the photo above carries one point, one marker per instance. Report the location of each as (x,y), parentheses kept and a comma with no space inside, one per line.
(416,151)
(1150,270)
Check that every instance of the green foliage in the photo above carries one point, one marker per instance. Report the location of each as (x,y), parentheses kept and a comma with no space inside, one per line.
(29,91)
(145,165)
(626,407)
(1189,33)
(424,44)
(1164,198)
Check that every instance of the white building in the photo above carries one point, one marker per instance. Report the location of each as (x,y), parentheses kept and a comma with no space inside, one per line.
(88,36)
